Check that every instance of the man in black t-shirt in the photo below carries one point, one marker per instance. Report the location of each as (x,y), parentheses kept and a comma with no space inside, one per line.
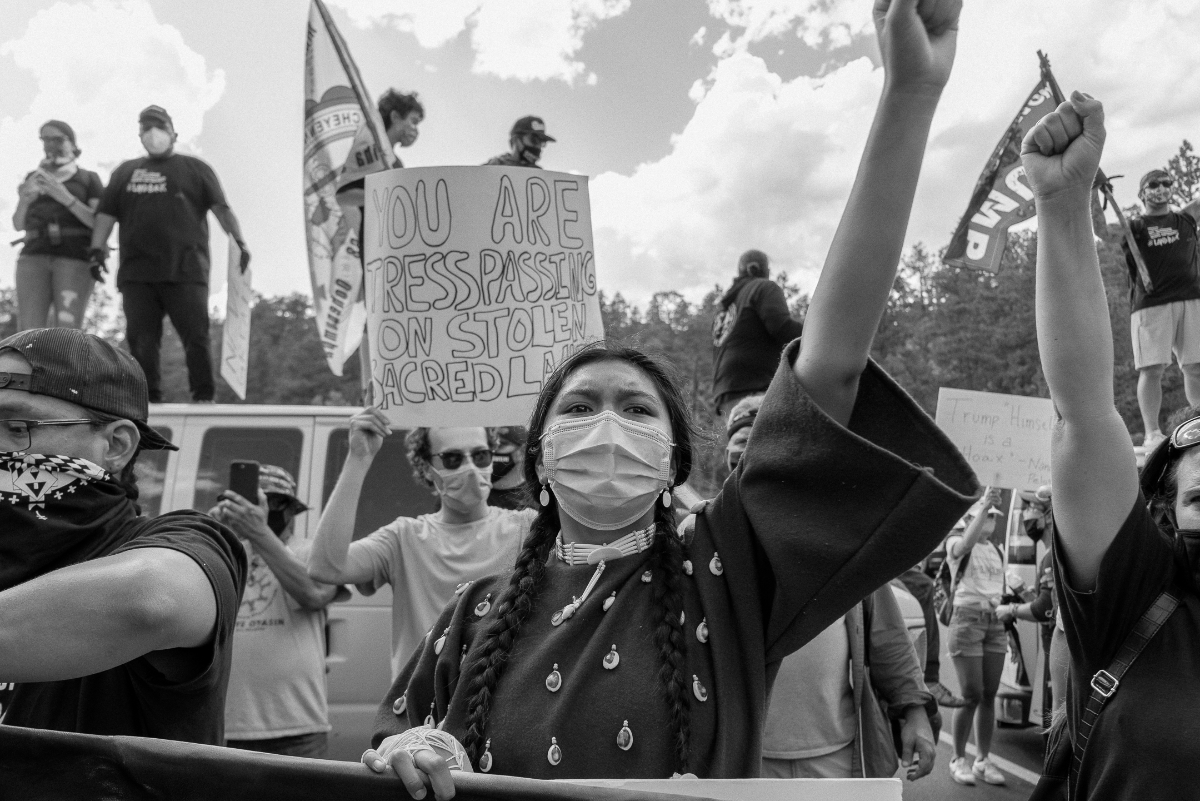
(749,333)
(1166,320)
(110,623)
(162,202)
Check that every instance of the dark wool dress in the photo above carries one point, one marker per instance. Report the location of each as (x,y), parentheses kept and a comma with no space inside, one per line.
(815,518)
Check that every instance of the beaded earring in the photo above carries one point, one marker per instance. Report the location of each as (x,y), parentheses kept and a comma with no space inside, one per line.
(544,496)
(666,498)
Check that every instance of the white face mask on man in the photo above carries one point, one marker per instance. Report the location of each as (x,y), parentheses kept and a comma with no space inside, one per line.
(606,471)
(464,489)
(156,141)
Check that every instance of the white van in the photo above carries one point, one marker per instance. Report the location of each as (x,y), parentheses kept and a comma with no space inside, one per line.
(310,442)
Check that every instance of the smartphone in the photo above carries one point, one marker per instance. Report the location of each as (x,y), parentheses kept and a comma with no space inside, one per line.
(243,479)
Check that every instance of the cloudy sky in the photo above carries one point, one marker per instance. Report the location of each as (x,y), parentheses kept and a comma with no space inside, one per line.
(707,126)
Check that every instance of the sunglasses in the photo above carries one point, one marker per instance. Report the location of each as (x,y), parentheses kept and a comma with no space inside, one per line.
(1166,183)
(452,460)
(1186,435)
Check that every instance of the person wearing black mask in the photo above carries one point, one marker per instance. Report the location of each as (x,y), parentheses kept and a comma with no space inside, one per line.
(277,701)
(508,485)
(162,201)
(110,623)
(1125,547)
(749,333)
(527,139)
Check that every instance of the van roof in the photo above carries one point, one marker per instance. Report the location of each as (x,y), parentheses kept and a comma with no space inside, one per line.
(251,409)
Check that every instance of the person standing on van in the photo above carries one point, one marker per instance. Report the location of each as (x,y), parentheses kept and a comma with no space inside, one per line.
(749,333)
(277,701)
(978,641)
(162,201)
(425,559)
(55,208)
(526,141)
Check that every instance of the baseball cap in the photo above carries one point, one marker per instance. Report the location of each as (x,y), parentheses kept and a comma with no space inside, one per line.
(743,414)
(533,125)
(84,369)
(1150,176)
(157,113)
(274,480)
(61,127)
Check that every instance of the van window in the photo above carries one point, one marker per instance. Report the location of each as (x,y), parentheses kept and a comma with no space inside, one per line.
(390,491)
(277,446)
(151,471)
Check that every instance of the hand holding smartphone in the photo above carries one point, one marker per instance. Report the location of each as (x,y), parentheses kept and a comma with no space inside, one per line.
(243,479)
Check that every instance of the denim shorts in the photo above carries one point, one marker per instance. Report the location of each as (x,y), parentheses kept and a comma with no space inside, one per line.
(974,632)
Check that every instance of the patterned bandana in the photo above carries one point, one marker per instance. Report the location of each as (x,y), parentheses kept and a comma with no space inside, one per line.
(56,511)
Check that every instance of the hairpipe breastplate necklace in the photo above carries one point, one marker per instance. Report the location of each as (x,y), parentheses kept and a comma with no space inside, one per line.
(578,553)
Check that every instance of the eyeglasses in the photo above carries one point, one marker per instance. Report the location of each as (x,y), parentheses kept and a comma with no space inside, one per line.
(17,435)
(1166,183)
(1186,435)
(452,460)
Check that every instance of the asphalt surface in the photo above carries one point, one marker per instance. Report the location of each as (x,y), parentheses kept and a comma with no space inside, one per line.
(1016,752)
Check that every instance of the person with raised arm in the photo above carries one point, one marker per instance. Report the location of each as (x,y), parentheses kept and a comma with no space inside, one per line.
(1125,555)
(616,648)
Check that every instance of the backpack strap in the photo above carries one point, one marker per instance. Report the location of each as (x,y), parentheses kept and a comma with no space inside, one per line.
(1106,681)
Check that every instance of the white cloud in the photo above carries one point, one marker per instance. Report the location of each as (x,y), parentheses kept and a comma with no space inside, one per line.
(768,163)
(96,65)
(522,39)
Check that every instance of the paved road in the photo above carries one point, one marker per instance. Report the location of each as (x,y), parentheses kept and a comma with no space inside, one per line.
(1021,749)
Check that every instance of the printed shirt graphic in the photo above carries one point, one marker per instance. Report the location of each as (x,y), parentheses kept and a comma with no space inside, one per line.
(1168,246)
(277,680)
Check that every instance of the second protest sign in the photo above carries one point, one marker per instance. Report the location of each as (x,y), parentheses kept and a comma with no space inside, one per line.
(478,282)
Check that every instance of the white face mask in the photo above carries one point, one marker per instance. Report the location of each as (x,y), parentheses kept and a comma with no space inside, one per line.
(605,470)
(156,141)
(463,489)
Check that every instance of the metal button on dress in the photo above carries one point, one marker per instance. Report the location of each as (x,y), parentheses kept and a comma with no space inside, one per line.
(485,761)
(441,641)
(399,705)
(612,659)
(646,577)
(625,737)
(554,680)
(484,606)
(554,753)
(714,565)
(702,631)
(608,602)
(698,689)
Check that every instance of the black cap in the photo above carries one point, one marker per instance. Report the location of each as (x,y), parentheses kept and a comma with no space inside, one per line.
(85,370)
(157,113)
(532,125)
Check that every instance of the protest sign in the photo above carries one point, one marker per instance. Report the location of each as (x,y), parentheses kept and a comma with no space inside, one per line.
(479,281)
(235,334)
(1005,438)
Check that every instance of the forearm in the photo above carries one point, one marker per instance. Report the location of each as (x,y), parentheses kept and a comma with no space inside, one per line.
(861,266)
(85,619)
(1073,329)
(103,227)
(293,574)
(229,222)
(18,218)
(82,212)
(328,562)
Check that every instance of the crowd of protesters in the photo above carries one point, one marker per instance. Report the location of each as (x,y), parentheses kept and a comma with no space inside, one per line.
(557,617)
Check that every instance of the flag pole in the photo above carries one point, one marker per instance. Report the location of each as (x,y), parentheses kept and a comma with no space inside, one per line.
(1105,187)
(364,102)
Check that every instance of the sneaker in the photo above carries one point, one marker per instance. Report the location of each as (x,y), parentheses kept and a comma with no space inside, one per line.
(943,695)
(984,769)
(1151,440)
(961,772)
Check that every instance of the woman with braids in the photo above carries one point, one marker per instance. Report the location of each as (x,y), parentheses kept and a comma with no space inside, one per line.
(617,648)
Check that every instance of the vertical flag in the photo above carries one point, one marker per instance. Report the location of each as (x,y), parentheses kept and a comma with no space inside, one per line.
(337,114)
(1002,196)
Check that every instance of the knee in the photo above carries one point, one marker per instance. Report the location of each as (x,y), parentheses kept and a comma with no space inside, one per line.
(1152,372)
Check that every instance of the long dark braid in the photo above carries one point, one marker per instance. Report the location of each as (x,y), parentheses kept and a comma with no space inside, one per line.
(512,608)
(666,562)
(666,559)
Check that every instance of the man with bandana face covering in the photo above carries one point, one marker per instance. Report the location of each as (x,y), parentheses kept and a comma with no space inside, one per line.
(110,623)
(162,201)
(425,559)
(527,139)
(1165,320)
